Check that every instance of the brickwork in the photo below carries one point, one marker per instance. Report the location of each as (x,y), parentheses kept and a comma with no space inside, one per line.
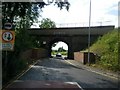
(34,54)
(79,56)
(83,57)
(26,55)
(39,53)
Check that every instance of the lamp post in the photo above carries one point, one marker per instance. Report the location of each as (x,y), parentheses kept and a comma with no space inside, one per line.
(89,33)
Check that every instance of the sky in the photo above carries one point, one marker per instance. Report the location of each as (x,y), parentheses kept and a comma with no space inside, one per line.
(103,12)
(60,44)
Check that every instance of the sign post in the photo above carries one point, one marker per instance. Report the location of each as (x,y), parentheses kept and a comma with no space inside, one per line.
(7,38)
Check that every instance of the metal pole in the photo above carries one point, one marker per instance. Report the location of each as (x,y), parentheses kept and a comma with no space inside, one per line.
(6,60)
(89,34)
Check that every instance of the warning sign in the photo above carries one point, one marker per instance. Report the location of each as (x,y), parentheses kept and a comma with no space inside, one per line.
(7,39)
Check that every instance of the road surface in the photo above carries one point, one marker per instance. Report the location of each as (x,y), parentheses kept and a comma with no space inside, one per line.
(59,70)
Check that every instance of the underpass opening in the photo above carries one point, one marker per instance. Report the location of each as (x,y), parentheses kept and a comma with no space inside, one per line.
(59,49)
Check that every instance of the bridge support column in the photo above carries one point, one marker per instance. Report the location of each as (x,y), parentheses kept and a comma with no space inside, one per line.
(70,52)
(70,55)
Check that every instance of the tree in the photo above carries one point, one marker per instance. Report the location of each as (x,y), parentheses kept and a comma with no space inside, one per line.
(13,11)
(47,23)
(60,49)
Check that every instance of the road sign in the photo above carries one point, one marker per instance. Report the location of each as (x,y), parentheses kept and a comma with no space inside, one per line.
(7,36)
(7,39)
(8,26)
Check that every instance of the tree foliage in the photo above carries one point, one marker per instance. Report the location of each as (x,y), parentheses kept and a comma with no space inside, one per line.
(60,49)
(13,11)
(47,23)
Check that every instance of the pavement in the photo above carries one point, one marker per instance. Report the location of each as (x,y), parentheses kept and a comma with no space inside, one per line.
(99,71)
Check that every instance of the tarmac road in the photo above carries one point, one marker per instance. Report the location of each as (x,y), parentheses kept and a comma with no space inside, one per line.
(59,70)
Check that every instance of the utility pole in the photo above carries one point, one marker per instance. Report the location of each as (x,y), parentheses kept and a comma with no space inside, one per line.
(89,33)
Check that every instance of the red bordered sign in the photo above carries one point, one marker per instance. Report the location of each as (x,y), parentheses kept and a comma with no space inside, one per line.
(7,36)
(7,39)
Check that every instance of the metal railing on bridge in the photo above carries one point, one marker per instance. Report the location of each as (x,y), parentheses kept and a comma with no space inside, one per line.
(79,24)
(83,24)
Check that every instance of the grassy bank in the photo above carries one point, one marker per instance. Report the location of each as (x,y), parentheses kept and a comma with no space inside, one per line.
(107,47)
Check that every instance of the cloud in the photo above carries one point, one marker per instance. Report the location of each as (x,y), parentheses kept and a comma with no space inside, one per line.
(101,11)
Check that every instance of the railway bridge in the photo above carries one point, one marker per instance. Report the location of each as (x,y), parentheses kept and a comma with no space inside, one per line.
(75,37)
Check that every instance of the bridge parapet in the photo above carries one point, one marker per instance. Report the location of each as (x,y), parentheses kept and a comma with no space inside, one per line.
(98,30)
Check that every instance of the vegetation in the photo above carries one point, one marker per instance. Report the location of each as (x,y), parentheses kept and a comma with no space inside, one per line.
(60,50)
(106,49)
(22,15)
(47,23)
(54,52)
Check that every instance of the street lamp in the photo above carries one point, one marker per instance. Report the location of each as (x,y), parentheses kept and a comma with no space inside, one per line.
(89,34)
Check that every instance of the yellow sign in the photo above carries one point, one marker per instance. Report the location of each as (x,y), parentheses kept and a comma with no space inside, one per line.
(7,38)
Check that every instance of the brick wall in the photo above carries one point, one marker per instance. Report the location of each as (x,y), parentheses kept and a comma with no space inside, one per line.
(83,57)
(78,56)
(34,54)
(26,54)
(39,53)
